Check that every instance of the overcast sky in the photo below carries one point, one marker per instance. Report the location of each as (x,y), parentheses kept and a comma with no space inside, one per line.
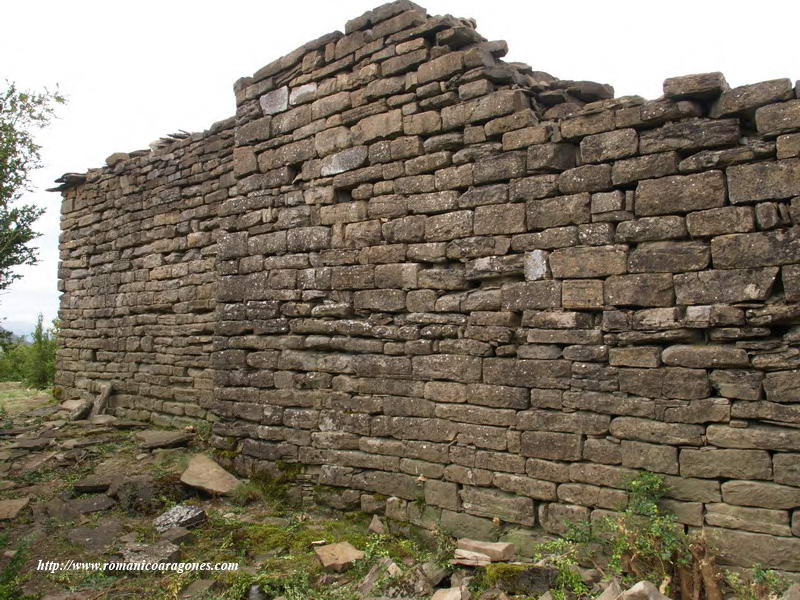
(135,71)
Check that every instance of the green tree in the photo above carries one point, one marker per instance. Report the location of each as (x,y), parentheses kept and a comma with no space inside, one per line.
(21,114)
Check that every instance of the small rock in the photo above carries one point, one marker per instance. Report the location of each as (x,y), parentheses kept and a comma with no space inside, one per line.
(102,419)
(496,551)
(644,590)
(203,473)
(177,535)
(385,566)
(470,559)
(338,557)
(9,509)
(156,438)
(376,525)
(158,552)
(612,591)
(182,515)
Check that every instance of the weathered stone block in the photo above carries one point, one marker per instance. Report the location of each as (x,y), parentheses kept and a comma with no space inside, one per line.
(588,262)
(761,494)
(497,504)
(691,134)
(549,445)
(652,457)
(551,158)
(613,145)
(680,193)
(705,357)
(747,98)
(718,221)
(531,295)
(651,229)
(275,101)
(558,211)
(764,181)
(733,464)
(499,219)
(632,428)
(763,437)
(587,178)
(759,520)
(650,166)
(720,286)
(700,86)
(639,290)
(760,249)
(582,294)
(774,119)
(668,257)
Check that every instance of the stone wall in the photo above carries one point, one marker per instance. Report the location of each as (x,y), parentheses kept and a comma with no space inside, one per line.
(138,278)
(487,293)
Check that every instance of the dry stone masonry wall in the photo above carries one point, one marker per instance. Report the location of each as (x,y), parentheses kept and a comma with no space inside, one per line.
(486,293)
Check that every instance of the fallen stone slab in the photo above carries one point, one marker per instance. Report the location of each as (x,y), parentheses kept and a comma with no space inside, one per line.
(102,419)
(9,509)
(92,484)
(612,591)
(32,443)
(33,462)
(385,566)
(96,539)
(182,515)
(496,551)
(157,438)
(338,557)
(470,559)
(159,552)
(205,474)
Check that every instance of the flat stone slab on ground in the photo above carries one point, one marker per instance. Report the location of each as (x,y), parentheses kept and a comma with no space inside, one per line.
(447,594)
(182,515)
(338,557)
(32,443)
(496,551)
(92,484)
(96,539)
(203,473)
(157,438)
(9,509)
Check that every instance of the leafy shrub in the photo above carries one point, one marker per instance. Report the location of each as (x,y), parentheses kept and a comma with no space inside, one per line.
(33,363)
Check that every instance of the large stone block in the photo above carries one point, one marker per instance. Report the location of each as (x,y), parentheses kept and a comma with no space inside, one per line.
(700,86)
(690,134)
(734,464)
(559,211)
(499,219)
(763,437)
(497,504)
(526,373)
(658,458)
(705,357)
(718,221)
(759,520)
(768,180)
(775,119)
(588,262)
(651,229)
(722,286)
(744,549)
(782,386)
(377,127)
(747,98)
(761,494)
(649,166)
(680,193)
(550,445)
(603,147)
(761,249)
(551,158)
(639,290)
(668,257)
(632,428)
(531,295)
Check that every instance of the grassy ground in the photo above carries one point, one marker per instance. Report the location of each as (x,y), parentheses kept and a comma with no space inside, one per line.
(15,398)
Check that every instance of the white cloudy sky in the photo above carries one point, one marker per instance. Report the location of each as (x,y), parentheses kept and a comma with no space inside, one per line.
(134,71)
